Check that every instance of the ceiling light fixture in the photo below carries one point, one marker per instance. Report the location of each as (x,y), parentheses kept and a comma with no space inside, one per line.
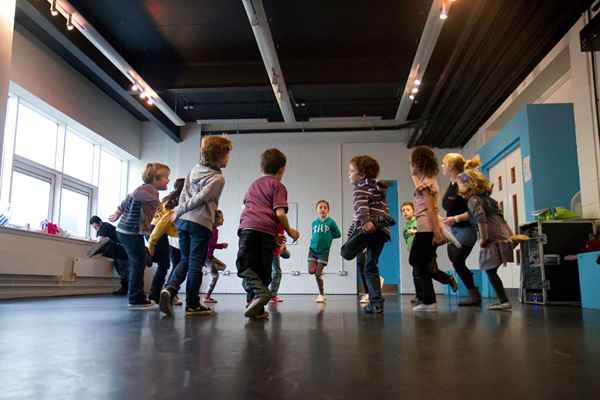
(412,97)
(150,101)
(142,95)
(53,9)
(134,87)
(70,22)
(444,14)
(415,90)
(417,82)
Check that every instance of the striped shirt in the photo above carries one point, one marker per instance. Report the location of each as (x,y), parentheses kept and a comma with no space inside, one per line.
(369,203)
(137,210)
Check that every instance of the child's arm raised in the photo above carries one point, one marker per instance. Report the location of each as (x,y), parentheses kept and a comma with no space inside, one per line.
(283,219)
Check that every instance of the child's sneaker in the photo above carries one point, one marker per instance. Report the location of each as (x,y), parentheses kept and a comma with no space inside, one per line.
(165,303)
(426,308)
(209,299)
(97,248)
(257,306)
(200,310)
(142,305)
(263,316)
(320,299)
(500,307)
(374,309)
(276,299)
(177,301)
(364,299)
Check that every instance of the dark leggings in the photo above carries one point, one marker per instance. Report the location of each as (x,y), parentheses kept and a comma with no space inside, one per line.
(497,284)
(458,257)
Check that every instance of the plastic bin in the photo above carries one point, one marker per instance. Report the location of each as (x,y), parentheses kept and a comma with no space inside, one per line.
(589,279)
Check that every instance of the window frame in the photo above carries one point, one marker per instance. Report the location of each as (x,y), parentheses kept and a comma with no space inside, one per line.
(56,176)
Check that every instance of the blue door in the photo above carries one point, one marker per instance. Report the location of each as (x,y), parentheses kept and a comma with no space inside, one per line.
(389,261)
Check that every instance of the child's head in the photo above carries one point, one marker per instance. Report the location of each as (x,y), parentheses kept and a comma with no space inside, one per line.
(322,208)
(172,199)
(219,219)
(455,163)
(473,182)
(272,162)
(408,210)
(214,151)
(362,167)
(424,162)
(157,175)
(96,222)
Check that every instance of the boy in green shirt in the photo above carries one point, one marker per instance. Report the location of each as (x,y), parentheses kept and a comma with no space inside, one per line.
(324,230)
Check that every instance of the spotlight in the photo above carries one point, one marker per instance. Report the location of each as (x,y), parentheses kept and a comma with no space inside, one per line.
(415,90)
(70,22)
(417,82)
(444,14)
(142,95)
(150,101)
(412,97)
(53,9)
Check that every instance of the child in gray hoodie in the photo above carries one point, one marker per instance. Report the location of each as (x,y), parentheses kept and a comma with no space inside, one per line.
(195,216)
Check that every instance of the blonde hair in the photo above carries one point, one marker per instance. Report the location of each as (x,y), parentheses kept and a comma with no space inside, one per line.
(213,149)
(154,171)
(475,181)
(457,162)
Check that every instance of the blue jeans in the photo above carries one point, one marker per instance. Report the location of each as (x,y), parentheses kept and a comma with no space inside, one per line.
(275,275)
(373,243)
(136,254)
(193,245)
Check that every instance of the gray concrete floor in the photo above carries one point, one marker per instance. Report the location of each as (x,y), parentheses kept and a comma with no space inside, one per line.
(95,348)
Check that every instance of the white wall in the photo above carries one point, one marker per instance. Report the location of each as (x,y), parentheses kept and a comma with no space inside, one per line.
(317,164)
(44,74)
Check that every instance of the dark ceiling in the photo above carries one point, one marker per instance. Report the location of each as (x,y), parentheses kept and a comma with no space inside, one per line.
(340,58)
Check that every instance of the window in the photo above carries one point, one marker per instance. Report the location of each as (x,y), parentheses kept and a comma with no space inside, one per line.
(79,157)
(56,170)
(109,191)
(73,206)
(37,136)
(30,199)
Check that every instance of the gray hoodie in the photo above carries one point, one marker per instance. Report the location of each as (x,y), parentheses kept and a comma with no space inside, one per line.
(200,196)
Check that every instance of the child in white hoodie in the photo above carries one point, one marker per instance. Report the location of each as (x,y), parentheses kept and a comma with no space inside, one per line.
(195,216)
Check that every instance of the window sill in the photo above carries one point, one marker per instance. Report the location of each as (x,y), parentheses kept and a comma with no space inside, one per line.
(42,235)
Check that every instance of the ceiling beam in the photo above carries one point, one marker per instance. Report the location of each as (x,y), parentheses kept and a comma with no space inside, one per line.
(84,57)
(427,43)
(262,33)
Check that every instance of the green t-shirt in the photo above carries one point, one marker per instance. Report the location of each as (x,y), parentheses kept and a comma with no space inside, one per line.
(408,231)
(323,233)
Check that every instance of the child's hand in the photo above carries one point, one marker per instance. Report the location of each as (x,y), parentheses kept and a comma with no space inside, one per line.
(294,234)
(114,217)
(438,237)
(369,227)
(449,221)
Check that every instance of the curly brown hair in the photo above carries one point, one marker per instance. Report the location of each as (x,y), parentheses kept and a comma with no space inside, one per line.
(271,161)
(366,165)
(213,149)
(423,159)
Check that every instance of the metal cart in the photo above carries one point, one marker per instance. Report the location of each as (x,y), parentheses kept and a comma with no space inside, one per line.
(546,277)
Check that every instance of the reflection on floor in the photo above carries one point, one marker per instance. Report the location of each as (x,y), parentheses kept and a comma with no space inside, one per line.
(94,347)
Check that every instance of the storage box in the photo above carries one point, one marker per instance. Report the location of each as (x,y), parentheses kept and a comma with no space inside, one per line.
(589,279)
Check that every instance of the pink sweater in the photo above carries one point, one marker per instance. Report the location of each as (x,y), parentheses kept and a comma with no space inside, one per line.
(213,243)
